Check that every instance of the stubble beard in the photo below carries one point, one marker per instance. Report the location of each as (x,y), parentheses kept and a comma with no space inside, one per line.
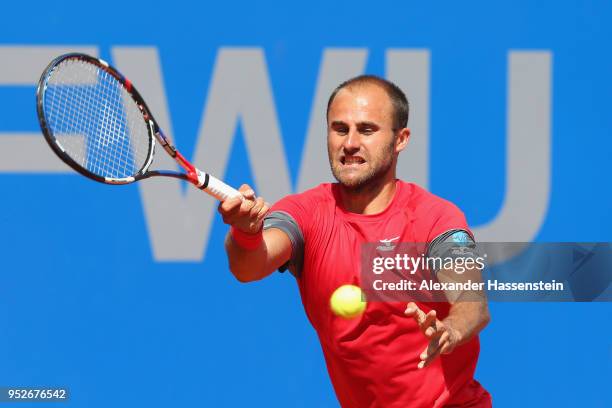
(371,178)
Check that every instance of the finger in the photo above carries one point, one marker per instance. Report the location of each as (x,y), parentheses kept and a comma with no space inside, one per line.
(411,309)
(430,353)
(430,358)
(263,211)
(442,345)
(450,343)
(247,191)
(444,337)
(428,321)
(435,330)
(245,207)
(431,332)
(254,220)
(259,203)
(446,348)
(229,205)
(446,345)
(229,209)
(418,315)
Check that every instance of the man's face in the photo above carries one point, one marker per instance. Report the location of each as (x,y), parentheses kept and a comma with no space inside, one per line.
(360,136)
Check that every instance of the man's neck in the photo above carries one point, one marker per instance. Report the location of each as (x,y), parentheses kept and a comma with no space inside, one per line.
(370,199)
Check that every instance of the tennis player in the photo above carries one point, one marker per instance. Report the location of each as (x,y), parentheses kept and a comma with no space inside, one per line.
(395,354)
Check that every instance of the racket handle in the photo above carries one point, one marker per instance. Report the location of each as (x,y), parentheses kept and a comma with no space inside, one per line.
(219,189)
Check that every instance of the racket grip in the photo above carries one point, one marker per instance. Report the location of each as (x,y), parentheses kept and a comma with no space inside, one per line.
(219,189)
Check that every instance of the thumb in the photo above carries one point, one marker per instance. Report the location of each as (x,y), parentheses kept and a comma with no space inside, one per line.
(247,191)
(411,309)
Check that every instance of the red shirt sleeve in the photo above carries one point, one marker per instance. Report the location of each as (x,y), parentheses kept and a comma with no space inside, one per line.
(294,216)
(447,217)
(294,206)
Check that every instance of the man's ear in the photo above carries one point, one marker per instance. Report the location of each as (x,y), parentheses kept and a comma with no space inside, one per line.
(403,136)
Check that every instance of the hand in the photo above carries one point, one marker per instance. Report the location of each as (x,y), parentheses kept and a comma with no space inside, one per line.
(245,213)
(443,338)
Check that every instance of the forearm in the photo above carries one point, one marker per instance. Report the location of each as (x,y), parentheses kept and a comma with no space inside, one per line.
(468,318)
(249,265)
(469,312)
(246,265)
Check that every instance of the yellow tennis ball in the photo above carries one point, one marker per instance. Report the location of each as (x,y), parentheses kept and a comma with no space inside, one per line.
(348,301)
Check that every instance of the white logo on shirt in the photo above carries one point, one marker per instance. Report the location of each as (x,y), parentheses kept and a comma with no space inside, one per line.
(387,244)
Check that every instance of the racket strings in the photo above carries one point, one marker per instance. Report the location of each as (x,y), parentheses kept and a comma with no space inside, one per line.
(95,120)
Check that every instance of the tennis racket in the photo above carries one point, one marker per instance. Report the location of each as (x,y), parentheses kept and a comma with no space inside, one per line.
(95,120)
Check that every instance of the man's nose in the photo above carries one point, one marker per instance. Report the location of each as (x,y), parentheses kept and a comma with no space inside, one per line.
(352,141)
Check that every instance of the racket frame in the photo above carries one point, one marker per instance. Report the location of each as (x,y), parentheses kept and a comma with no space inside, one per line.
(200,179)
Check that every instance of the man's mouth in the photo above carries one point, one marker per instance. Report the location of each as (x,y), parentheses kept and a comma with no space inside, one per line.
(351,160)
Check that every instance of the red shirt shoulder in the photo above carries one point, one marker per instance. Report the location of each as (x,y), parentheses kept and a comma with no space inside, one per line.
(302,206)
(432,215)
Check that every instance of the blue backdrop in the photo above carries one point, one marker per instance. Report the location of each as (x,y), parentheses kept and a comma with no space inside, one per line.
(88,301)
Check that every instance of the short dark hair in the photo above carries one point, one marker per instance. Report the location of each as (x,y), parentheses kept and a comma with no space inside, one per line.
(398,98)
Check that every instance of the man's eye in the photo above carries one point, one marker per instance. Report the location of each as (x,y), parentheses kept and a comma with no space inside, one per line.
(367,131)
(342,131)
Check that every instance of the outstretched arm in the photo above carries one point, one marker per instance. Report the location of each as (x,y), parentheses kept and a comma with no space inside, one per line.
(468,315)
(465,320)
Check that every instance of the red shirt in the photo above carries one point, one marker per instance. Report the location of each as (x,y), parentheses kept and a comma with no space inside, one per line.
(372,359)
